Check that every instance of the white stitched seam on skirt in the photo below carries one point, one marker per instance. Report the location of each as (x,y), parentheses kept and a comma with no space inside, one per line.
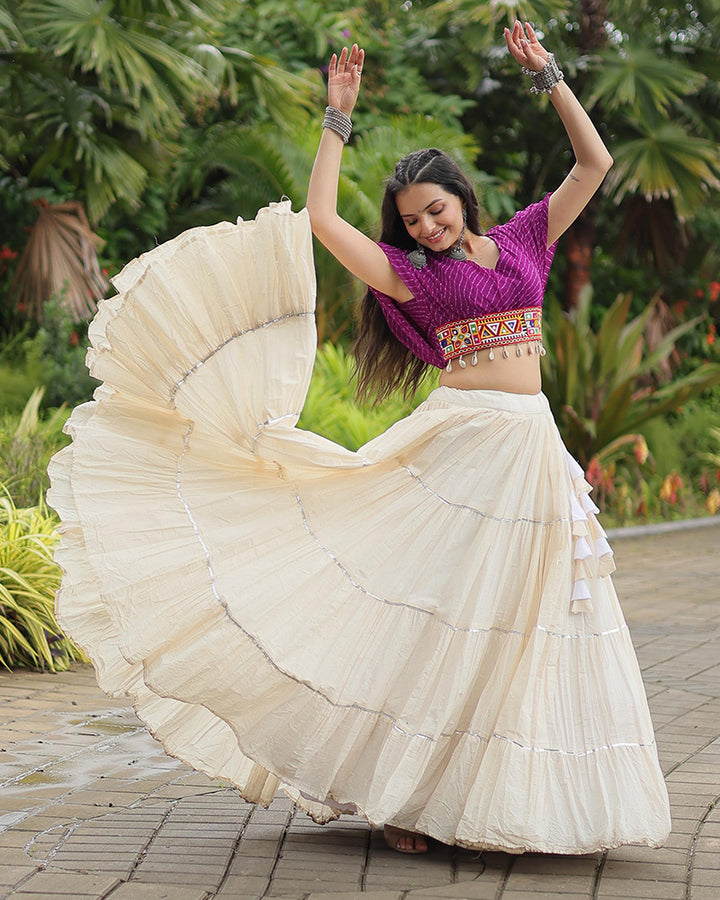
(325,697)
(237,334)
(356,584)
(479,512)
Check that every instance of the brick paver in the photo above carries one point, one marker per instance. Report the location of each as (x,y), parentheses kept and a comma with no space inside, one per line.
(91,807)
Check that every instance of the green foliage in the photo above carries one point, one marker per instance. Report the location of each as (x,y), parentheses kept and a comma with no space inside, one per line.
(600,383)
(685,440)
(57,355)
(332,411)
(29,579)
(96,94)
(53,357)
(26,444)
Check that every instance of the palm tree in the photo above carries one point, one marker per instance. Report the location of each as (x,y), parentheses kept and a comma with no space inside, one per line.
(97,93)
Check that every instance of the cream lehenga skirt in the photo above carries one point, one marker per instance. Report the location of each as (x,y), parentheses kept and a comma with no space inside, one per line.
(422,631)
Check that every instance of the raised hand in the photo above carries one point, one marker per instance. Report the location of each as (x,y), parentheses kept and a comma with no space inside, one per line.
(344,78)
(525,47)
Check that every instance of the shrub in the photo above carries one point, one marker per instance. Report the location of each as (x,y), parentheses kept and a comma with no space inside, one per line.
(29,578)
(602,383)
(26,444)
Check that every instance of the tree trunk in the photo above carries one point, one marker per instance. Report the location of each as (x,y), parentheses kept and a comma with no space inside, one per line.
(579,245)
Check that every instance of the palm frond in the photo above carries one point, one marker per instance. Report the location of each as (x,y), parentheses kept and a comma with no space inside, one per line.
(60,258)
(665,161)
(9,29)
(641,78)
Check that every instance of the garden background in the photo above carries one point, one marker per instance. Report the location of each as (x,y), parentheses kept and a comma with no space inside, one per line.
(122,123)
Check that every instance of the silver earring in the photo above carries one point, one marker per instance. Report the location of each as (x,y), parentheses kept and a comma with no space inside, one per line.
(458,252)
(418,257)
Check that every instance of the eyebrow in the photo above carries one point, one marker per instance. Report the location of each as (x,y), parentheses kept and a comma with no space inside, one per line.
(432,203)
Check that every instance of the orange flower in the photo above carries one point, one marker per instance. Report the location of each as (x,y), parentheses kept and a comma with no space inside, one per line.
(671,487)
(710,339)
(712,502)
(640,449)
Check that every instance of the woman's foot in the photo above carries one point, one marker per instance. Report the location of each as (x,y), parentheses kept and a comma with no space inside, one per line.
(404,841)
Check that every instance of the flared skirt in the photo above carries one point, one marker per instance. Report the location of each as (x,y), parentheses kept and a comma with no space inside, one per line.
(424,631)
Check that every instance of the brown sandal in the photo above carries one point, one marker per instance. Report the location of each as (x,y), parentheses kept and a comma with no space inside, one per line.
(394,835)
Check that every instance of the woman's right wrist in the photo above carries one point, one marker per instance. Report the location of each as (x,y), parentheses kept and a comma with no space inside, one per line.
(339,122)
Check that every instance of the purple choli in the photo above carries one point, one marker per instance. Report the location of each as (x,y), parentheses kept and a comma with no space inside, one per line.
(455,304)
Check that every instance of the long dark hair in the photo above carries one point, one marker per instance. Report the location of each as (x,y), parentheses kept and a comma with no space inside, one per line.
(382,363)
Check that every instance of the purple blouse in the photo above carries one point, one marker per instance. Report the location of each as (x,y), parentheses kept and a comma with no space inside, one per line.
(446,290)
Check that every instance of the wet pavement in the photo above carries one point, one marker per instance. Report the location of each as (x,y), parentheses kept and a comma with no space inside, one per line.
(91,807)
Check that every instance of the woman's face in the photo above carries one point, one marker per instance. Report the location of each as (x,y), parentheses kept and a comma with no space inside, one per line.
(433,216)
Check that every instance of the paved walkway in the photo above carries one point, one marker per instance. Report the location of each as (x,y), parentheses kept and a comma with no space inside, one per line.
(90,806)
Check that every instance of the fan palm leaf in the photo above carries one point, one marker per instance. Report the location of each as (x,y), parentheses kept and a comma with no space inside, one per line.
(640,78)
(142,67)
(60,259)
(663,160)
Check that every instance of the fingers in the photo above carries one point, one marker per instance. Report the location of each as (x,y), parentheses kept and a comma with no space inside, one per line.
(349,62)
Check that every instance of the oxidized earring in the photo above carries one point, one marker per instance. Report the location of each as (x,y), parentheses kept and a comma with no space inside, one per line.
(418,257)
(458,252)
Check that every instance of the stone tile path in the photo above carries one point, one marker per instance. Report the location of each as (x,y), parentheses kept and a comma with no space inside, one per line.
(90,806)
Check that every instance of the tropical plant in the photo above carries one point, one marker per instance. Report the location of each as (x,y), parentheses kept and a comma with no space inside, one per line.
(332,411)
(601,384)
(29,579)
(95,95)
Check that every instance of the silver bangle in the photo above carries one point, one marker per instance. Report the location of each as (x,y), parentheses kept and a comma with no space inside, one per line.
(337,121)
(547,78)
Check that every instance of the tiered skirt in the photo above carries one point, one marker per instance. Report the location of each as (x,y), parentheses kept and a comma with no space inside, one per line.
(423,631)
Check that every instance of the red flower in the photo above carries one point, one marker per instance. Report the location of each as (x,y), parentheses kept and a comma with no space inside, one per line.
(74,338)
(7,253)
(714,290)
(710,339)
(594,472)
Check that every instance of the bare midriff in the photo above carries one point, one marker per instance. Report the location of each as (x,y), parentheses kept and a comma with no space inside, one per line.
(514,374)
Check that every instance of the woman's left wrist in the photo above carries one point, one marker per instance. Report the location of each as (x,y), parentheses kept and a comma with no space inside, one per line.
(546,79)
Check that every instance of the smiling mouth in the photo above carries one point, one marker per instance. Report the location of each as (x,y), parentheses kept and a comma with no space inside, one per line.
(438,236)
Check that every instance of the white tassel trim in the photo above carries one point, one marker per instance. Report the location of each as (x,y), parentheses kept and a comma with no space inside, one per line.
(581,600)
(592,554)
(582,549)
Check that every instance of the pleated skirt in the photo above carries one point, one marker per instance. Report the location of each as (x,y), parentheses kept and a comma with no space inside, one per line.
(424,632)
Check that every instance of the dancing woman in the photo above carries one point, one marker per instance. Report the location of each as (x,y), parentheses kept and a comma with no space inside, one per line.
(423,632)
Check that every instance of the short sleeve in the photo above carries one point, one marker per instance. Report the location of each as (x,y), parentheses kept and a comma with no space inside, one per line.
(410,330)
(528,230)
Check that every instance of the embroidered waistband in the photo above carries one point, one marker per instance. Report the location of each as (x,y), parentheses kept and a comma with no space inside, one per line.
(512,326)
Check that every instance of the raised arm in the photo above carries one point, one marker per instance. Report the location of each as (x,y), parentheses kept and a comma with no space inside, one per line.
(353,249)
(592,159)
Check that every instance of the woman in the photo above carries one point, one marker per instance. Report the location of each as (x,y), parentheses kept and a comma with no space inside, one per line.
(424,631)
(429,201)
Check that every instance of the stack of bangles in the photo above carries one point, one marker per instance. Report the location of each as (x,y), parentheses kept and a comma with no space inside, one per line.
(543,82)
